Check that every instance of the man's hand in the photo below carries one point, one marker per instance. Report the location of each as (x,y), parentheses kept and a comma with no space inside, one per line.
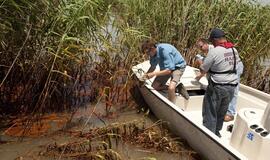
(144,77)
(199,76)
(151,75)
(148,75)
(198,62)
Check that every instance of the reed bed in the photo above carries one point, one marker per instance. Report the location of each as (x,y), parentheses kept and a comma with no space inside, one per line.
(183,22)
(47,50)
(58,55)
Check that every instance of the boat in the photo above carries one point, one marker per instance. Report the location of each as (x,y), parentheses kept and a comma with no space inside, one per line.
(246,137)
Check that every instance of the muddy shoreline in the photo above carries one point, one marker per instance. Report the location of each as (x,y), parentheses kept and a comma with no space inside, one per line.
(83,120)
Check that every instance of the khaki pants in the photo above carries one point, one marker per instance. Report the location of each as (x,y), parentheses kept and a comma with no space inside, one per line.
(175,76)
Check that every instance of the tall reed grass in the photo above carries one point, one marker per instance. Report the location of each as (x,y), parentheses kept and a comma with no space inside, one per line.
(183,22)
(46,50)
(56,54)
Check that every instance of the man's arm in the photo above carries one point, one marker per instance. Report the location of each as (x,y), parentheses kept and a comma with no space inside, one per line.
(151,69)
(199,62)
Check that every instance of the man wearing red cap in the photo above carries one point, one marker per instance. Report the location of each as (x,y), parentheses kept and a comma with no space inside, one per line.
(220,64)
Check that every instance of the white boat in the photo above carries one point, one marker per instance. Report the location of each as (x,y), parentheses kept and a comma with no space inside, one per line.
(247,137)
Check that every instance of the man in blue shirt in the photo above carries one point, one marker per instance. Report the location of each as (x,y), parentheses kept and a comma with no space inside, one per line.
(172,65)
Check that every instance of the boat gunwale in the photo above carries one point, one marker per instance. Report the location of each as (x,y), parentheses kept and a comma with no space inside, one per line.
(258,94)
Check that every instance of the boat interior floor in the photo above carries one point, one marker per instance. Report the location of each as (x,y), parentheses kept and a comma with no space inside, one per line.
(196,117)
(193,109)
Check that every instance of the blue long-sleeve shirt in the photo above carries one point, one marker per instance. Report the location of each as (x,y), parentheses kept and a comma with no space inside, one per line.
(168,57)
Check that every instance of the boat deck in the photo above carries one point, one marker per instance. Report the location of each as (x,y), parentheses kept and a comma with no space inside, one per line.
(196,117)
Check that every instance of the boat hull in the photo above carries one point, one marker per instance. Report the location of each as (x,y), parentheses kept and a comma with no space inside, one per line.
(241,141)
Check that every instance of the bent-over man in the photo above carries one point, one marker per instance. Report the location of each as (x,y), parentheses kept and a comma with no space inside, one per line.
(172,65)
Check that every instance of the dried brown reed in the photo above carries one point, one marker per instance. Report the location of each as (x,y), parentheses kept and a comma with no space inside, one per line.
(102,141)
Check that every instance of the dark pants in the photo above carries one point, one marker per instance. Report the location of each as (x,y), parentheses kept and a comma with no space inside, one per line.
(215,104)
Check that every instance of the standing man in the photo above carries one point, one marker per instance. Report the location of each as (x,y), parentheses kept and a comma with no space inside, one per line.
(172,65)
(204,46)
(220,63)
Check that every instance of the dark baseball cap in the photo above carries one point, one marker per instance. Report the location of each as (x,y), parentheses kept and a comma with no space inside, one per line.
(216,33)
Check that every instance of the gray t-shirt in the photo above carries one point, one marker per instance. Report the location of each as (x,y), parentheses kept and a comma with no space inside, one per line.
(220,59)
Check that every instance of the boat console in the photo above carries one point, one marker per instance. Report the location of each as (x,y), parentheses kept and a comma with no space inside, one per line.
(250,133)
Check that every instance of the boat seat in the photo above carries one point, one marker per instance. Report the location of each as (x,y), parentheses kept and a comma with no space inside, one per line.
(250,133)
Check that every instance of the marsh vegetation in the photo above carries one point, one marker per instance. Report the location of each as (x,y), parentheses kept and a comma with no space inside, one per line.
(60,55)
